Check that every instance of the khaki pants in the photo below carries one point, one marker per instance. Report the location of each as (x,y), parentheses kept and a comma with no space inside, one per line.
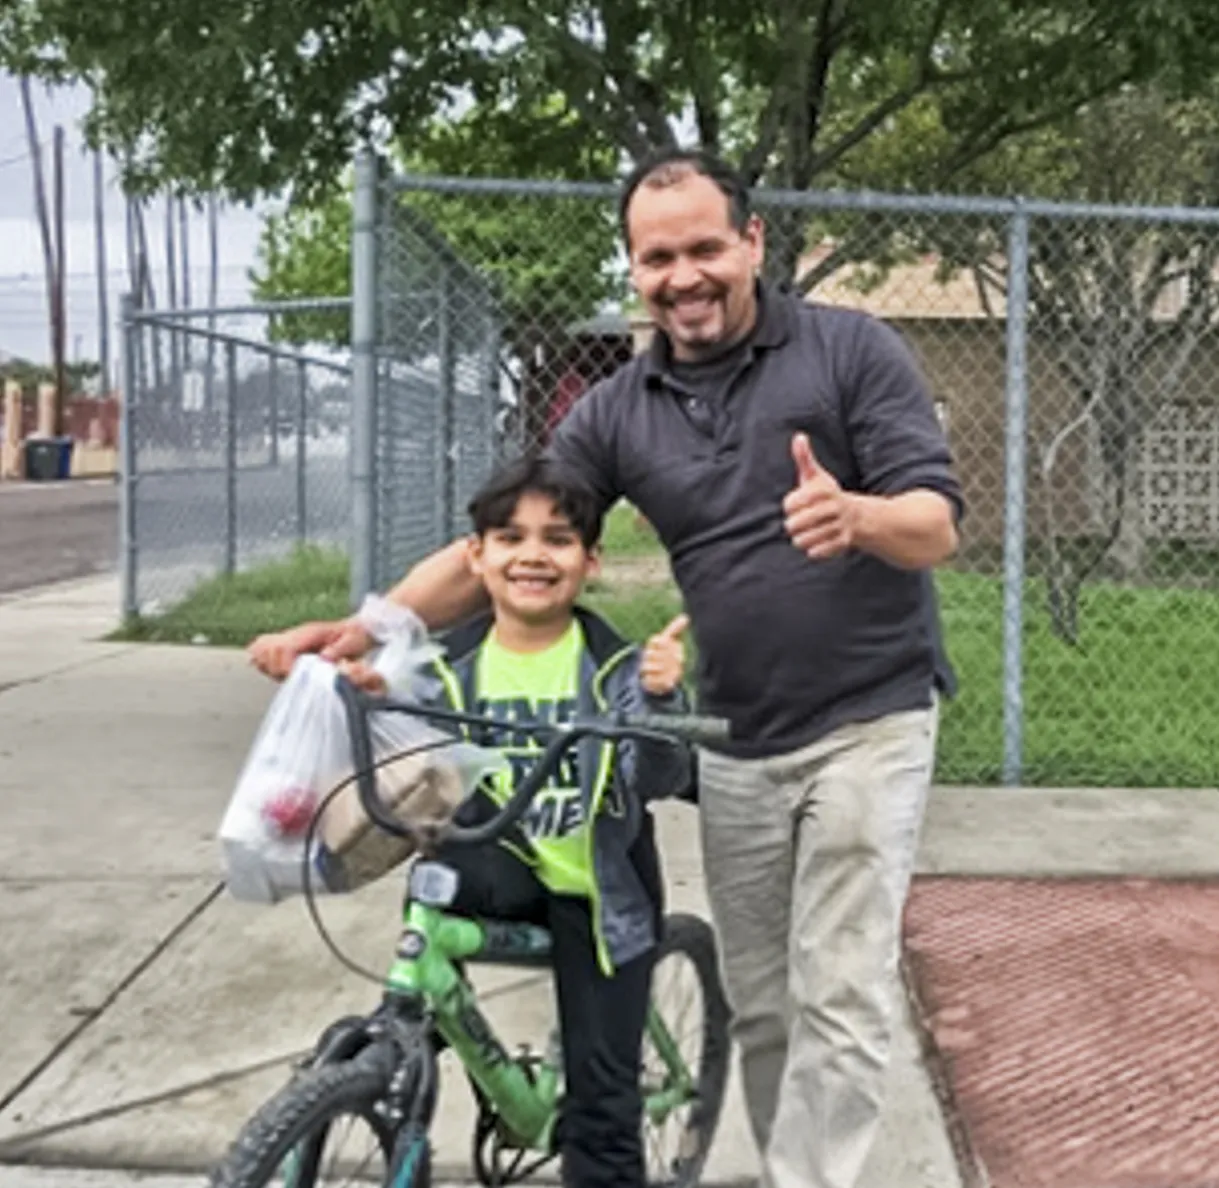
(808,858)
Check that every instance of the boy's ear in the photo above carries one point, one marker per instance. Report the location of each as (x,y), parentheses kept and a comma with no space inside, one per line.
(593,565)
(474,554)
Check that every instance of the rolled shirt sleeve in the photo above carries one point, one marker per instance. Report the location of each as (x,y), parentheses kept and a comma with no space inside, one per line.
(898,442)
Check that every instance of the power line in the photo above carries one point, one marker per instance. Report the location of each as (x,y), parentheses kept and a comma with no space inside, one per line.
(118,273)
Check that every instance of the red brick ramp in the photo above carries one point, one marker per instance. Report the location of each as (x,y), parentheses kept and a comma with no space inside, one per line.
(1075,1026)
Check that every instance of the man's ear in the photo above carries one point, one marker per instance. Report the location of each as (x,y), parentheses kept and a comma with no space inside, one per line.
(755,236)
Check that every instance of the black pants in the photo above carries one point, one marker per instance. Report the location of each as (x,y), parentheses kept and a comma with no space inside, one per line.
(601,1018)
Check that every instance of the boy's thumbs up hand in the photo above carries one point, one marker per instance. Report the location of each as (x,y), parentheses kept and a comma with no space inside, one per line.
(664,659)
(818,514)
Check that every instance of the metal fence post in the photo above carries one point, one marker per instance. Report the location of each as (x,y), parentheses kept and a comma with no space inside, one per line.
(363,377)
(1015,499)
(446,357)
(302,435)
(128,543)
(273,408)
(230,459)
(489,381)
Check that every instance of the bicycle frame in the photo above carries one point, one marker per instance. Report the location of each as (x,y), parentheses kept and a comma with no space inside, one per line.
(431,942)
(521,1095)
(524,1099)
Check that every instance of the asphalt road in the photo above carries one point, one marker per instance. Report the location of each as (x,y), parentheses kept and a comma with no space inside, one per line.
(51,532)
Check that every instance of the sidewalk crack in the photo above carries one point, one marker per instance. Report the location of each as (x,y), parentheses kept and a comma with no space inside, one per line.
(109,1000)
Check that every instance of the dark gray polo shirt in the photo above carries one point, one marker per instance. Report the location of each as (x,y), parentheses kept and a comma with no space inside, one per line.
(789,648)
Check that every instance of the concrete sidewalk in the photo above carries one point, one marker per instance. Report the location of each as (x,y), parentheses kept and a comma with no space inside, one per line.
(144,1015)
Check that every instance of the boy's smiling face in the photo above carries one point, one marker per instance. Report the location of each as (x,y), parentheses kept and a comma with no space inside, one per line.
(535,566)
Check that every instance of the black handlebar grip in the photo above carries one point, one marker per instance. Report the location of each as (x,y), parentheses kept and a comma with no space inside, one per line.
(695,728)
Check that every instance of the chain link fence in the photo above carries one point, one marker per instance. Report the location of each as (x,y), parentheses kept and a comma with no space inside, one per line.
(1072,356)
(235,454)
(438,410)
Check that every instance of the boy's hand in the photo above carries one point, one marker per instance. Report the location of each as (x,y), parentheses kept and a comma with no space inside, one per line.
(664,659)
(363,676)
(274,654)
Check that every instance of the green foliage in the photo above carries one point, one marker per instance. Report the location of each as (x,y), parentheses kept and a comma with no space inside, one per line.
(29,374)
(255,96)
(504,249)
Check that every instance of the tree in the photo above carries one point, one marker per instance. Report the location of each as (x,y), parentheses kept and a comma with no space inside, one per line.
(522,272)
(1117,307)
(255,96)
(29,375)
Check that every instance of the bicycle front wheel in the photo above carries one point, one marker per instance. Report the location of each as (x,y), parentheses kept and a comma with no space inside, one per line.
(302,1137)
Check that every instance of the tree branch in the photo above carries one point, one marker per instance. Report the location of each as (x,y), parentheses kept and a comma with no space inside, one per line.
(596,102)
(770,124)
(704,77)
(643,97)
(983,141)
(866,126)
(707,119)
(925,75)
(825,45)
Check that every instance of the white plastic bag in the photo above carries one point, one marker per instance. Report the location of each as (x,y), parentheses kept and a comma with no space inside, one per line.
(303,751)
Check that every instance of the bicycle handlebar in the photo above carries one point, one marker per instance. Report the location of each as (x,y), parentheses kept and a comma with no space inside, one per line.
(358,705)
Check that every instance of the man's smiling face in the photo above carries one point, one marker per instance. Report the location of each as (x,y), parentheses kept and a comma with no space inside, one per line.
(693,269)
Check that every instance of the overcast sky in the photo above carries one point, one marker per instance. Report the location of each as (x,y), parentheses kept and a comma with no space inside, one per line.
(23,318)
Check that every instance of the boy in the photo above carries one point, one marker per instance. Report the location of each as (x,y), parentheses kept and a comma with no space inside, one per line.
(583,862)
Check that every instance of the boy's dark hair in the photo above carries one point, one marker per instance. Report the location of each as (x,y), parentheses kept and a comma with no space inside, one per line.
(668,166)
(494,503)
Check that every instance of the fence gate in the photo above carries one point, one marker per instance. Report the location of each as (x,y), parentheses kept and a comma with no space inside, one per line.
(235,447)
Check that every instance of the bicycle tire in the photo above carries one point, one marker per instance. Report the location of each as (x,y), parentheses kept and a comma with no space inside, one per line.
(694,939)
(302,1109)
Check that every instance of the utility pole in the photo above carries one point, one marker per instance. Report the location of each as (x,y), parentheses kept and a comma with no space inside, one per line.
(59,324)
(103,301)
(50,264)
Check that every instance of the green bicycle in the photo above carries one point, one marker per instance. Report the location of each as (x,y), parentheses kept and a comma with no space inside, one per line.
(381,1069)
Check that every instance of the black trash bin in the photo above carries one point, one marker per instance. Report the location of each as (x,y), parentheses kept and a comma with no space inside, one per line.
(48,458)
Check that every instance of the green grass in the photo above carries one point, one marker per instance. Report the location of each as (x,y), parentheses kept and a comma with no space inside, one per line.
(626,535)
(310,584)
(1135,703)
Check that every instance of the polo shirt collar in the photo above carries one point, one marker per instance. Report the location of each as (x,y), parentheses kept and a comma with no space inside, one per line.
(772,330)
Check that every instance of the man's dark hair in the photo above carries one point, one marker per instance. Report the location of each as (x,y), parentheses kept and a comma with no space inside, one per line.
(494,503)
(667,167)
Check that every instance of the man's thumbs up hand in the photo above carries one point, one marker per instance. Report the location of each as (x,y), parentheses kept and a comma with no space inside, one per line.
(807,466)
(664,658)
(818,514)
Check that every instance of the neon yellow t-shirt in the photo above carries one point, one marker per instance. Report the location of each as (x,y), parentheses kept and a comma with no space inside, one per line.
(540,687)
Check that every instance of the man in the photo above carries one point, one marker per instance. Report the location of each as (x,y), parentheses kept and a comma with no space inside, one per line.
(790,459)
